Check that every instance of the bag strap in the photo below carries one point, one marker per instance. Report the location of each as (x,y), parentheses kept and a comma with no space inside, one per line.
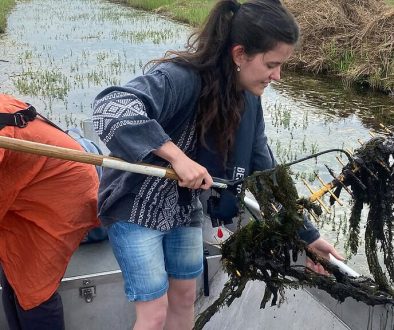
(19,119)
(22,117)
(50,122)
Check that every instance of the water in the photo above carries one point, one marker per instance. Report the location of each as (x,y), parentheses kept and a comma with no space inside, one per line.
(58,55)
(62,53)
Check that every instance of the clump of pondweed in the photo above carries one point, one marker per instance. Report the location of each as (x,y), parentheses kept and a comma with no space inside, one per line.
(372,184)
(263,250)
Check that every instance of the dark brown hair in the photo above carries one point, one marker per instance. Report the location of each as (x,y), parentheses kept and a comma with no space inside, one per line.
(257,25)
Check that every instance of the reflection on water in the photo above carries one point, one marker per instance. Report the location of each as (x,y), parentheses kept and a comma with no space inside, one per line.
(335,100)
(58,55)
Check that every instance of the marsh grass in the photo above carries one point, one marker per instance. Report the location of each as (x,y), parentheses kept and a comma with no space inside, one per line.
(350,40)
(192,12)
(5,7)
(43,82)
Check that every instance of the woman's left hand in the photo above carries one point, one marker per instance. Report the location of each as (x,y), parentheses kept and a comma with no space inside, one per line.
(322,248)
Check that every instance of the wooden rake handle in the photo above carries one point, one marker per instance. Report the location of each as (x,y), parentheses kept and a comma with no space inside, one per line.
(84,157)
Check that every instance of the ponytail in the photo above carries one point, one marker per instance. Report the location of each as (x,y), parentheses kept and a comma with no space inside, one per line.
(213,38)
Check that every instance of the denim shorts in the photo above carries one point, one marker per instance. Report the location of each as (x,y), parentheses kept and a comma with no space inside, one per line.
(148,257)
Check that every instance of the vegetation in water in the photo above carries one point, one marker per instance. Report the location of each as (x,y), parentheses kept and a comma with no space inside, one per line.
(267,250)
(60,71)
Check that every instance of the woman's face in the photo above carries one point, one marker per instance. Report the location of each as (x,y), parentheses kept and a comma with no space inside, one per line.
(257,71)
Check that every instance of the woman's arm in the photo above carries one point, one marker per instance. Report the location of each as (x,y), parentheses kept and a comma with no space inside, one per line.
(191,174)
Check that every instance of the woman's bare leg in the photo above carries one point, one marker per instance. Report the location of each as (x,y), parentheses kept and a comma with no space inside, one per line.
(181,297)
(151,315)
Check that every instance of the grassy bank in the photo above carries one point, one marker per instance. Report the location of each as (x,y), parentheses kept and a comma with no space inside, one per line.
(347,39)
(5,7)
(192,12)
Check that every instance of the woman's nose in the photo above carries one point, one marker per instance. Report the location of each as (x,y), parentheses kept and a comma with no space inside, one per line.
(275,75)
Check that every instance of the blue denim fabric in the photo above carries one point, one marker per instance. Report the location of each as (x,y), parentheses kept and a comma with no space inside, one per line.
(308,232)
(148,257)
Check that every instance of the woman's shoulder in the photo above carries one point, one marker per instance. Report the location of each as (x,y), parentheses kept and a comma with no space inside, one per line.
(177,73)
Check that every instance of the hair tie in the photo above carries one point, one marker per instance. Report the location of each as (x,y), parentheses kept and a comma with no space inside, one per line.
(237,6)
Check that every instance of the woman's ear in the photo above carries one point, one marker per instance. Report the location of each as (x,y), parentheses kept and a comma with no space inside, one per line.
(238,54)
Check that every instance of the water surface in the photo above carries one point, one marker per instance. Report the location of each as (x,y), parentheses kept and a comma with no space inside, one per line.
(58,55)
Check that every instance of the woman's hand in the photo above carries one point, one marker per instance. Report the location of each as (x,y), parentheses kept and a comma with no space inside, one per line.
(191,174)
(323,249)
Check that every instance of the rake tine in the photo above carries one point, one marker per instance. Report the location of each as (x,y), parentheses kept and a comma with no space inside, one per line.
(329,190)
(313,215)
(339,180)
(385,128)
(369,171)
(317,198)
(340,161)
(349,151)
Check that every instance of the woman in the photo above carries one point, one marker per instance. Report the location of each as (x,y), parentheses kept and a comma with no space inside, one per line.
(199,112)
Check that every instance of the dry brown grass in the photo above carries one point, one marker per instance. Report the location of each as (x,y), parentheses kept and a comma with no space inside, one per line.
(352,39)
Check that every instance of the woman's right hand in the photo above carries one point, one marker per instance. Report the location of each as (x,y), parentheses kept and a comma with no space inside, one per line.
(191,174)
